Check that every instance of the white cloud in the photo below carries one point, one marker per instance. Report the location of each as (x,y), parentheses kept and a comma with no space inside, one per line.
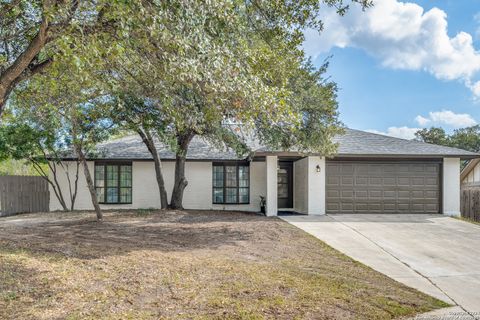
(422,120)
(403,36)
(476,19)
(398,132)
(447,117)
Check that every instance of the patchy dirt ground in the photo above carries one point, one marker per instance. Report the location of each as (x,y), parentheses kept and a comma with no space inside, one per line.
(197,264)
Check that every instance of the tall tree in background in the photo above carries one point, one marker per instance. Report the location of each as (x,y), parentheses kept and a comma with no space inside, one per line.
(466,138)
(463,138)
(433,135)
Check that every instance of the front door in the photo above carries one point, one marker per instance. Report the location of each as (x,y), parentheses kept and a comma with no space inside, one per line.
(285,185)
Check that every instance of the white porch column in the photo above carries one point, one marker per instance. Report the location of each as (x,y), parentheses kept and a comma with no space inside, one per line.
(451,186)
(272,174)
(316,185)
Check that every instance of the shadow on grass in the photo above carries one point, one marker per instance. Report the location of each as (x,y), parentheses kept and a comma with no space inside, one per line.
(121,233)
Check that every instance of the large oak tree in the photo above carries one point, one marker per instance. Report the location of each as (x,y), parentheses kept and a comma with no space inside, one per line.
(203,66)
(32,31)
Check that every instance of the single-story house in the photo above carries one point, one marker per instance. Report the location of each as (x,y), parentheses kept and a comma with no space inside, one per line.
(371,173)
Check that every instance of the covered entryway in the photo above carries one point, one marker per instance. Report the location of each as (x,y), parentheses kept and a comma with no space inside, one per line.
(383,186)
(285,185)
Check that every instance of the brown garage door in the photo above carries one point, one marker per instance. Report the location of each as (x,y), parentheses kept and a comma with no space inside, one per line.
(383,187)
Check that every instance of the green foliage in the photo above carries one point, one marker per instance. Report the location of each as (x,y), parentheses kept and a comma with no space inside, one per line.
(464,138)
(313,100)
(60,109)
(433,135)
(197,67)
(12,167)
(222,71)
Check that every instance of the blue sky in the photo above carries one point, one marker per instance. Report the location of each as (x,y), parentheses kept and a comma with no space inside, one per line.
(401,66)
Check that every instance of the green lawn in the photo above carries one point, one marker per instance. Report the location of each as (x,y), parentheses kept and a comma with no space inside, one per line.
(204,265)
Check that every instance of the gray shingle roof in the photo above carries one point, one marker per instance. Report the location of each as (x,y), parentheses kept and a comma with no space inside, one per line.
(132,147)
(359,143)
(352,143)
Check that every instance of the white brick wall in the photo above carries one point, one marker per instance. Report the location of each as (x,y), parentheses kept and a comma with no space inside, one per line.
(271,169)
(300,185)
(316,185)
(198,193)
(451,186)
(309,185)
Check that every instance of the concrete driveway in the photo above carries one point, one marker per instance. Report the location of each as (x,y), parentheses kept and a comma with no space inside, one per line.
(435,254)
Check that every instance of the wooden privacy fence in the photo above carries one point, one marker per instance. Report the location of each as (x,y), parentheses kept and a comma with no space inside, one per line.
(19,194)
(470,201)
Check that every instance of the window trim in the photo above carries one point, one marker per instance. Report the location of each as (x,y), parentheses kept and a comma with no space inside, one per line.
(118,164)
(225,164)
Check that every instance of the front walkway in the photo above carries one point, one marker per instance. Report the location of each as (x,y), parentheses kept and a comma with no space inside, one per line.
(435,254)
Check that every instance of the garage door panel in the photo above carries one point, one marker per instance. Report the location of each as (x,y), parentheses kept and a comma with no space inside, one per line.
(332,193)
(361,206)
(361,194)
(346,207)
(361,181)
(390,207)
(347,181)
(373,169)
(333,206)
(333,181)
(418,181)
(418,207)
(403,181)
(376,187)
(431,194)
(347,169)
(387,194)
(389,181)
(362,169)
(403,194)
(375,194)
(375,182)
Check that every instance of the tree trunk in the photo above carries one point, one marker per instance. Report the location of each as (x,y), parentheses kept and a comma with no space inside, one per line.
(54,184)
(148,141)
(75,190)
(73,193)
(90,185)
(183,141)
(20,68)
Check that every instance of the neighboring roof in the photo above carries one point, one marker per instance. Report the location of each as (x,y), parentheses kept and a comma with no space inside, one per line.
(468,168)
(354,143)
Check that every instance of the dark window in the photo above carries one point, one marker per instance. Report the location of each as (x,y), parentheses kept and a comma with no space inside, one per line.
(113,182)
(231,183)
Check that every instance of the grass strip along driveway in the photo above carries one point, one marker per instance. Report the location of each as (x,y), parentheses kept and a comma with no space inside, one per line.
(176,264)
